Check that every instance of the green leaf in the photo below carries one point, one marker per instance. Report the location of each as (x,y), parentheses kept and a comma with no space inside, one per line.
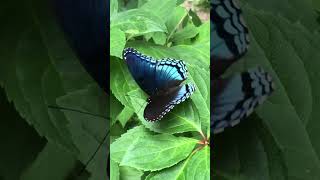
(316,3)
(121,82)
(114,170)
(88,130)
(157,152)
(115,109)
(113,8)
(128,173)
(137,22)
(288,9)
(204,33)
(190,31)
(15,135)
(160,8)
(49,160)
(117,42)
(54,72)
(120,147)
(175,20)
(125,115)
(159,38)
(195,167)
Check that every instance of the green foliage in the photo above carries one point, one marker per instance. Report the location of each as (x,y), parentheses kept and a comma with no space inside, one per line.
(38,69)
(282,140)
(159,28)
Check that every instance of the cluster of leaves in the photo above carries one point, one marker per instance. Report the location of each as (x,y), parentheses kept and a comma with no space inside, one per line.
(282,140)
(167,149)
(38,69)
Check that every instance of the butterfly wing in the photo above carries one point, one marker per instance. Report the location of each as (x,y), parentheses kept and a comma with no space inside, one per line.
(154,76)
(236,97)
(142,68)
(159,105)
(229,35)
(170,73)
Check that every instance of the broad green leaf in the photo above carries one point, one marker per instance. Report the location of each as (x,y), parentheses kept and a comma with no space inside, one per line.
(245,153)
(197,55)
(198,166)
(117,42)
(294,11)
(125,115)
(32,35)
(121,81)
(142,2)
(114,170)
(190,31)
(160,8)
(88,130)
(175,20)
(121,145)
(159,38)
(204,33)
(296,147)
(16,135)
(137,22)
(28,76)
(113,8)
(50,160)
(115,109)
(277,52)
(316,3)
(195,167)
(128,173)
(157,152)
(201,97)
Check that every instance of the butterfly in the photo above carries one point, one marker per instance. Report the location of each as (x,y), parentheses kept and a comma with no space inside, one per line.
(161,80)
(235,97)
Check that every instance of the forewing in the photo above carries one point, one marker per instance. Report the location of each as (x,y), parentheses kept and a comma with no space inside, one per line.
(142,69)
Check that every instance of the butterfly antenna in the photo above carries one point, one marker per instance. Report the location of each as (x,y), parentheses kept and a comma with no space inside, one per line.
(78,111)
(101,143)
(94,154)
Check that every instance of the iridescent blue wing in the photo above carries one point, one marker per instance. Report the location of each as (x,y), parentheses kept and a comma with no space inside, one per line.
(160,104)
(236,97)
(154,76)
(170,73)
(142,69)
(229,35)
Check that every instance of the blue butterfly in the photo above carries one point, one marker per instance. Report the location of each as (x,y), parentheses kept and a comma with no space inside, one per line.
(161,80)
(233,98)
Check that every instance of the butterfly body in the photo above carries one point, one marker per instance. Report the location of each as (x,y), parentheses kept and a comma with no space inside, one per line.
(161,80)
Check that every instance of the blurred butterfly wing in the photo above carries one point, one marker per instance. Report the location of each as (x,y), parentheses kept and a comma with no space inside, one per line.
(229,35)
(170,73)
(161,104)
(142,69)
(236,97)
